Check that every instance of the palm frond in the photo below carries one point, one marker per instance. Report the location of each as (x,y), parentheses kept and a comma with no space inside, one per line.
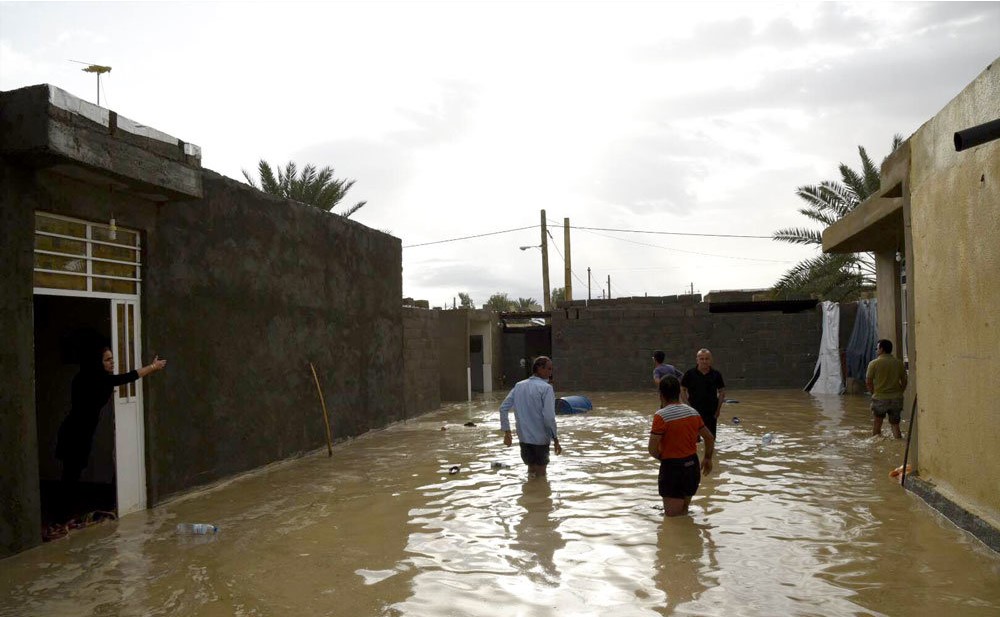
(347,213)
(311,186)
(798,235)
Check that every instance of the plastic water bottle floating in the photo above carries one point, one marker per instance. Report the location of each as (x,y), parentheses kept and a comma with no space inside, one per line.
(767,438)
(198,529)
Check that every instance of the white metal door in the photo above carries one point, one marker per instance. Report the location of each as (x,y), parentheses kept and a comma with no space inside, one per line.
(130,449)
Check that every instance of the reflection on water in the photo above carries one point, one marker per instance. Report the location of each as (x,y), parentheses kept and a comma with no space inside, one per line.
(809,524)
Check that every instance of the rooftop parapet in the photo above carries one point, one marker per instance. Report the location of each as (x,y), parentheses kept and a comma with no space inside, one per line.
(46,127)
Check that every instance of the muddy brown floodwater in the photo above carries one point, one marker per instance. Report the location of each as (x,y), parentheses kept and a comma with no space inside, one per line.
(810,524)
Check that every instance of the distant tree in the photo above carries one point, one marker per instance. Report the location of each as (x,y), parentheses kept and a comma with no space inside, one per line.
(527,305)
(827,276)
(465,300)
(558,295)
(315,188)
(499,302)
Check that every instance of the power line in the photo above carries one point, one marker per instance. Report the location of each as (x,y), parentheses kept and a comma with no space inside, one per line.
(492,233)
(631,231)
(670,233)
(578,279)
(667,248)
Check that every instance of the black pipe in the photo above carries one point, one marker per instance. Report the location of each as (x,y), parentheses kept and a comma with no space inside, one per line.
(909,433)
(976,135)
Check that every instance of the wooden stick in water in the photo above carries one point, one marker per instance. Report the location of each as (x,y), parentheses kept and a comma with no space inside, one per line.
(326,416)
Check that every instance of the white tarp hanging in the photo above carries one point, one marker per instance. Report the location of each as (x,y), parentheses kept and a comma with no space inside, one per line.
(827,378)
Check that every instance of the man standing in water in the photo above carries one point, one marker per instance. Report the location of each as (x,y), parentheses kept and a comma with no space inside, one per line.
(661,369)
(534,403)
(674,442)
(886,380)
(703,388)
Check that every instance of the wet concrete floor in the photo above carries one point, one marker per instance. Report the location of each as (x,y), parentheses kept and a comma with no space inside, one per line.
(810,524)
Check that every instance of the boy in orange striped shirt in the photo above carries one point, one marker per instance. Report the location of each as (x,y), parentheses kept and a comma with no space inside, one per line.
(674,442)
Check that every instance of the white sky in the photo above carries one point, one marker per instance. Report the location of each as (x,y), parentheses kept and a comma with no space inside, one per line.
(468,118)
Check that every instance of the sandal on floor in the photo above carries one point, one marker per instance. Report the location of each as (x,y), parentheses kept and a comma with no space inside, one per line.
(54,532)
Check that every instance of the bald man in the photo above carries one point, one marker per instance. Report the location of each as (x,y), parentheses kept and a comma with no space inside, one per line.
(703,388)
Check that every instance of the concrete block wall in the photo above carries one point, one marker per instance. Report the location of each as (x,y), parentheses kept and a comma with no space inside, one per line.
(610,346)
(453,355)
(243,291)
(20,518)
(420,361)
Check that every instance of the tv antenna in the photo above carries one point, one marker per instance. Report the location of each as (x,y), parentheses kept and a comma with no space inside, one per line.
(99,70)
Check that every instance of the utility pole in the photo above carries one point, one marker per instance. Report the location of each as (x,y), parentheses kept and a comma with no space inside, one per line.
(609,287)
(692,288)
(547,302)
(568,289)
(588,284)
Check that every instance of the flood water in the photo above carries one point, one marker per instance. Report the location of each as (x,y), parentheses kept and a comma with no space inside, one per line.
(810,524)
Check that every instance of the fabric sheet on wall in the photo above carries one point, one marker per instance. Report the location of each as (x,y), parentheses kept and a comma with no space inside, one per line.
(827,377)
(861,347)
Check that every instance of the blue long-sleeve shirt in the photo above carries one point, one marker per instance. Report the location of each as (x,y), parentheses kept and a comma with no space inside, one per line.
(534,404)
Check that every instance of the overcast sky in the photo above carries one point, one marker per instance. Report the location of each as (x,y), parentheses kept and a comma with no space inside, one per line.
(459,119)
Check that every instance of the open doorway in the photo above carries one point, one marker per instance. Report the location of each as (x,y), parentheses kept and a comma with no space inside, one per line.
(68,329)
(476,362)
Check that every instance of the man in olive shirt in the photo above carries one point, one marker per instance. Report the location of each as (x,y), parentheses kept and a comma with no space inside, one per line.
(886,380)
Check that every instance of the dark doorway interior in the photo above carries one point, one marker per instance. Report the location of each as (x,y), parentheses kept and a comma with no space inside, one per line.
(476,361)
(65,329)
(521,345)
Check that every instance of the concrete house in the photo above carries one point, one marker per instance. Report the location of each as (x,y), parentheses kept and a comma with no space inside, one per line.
(935,230)
(111,230)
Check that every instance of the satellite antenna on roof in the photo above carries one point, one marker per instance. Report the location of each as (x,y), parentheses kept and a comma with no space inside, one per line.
(99,70)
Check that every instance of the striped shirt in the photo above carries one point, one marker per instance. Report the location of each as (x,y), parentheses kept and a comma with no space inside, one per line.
(678,425)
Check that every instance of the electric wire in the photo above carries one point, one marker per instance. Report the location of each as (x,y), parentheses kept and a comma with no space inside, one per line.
(667,248)
(492,233)
(556,248)
(633,231)
(671,233)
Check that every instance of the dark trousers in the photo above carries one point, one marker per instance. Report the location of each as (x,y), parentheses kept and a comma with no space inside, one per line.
(69,492)
(711,422)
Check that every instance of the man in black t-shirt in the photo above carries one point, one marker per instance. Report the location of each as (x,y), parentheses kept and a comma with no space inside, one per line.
(702,387)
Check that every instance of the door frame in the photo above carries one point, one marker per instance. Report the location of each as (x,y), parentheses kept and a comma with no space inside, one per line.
(130,418)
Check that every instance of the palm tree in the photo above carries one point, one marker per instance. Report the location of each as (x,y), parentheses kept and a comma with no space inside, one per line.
(526,305)
(558,295)
(835,277)
(499,302)
(315,188)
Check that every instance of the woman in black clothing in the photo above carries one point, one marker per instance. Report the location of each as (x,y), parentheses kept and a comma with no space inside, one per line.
(92,387)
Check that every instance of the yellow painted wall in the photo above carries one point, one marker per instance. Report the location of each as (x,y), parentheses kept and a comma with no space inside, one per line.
(955,213)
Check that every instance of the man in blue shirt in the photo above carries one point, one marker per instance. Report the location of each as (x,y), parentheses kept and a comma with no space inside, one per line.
(534,404)
(661,369)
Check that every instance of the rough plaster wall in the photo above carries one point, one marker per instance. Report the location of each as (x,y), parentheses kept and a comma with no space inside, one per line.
(420,361)
(20,516)
(955,206)
(611,348)
(243,292)
(453,334)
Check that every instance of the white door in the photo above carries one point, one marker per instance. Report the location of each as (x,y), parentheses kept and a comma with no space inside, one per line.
(130,448)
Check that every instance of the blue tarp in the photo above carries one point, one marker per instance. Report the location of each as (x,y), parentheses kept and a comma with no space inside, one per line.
(861,348)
